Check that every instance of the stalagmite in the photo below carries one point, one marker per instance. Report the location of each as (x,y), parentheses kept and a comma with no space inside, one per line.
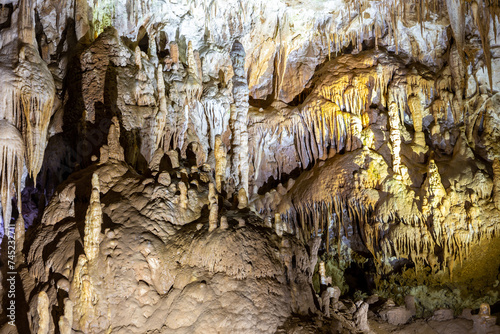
(484,322)
(43,313)
(314,245)
(220,163)
(183,197)
(174,52)
(212,195)
(239,119)
(113,150)
(66,320)
(242,199)
(83,294)
(268,221)
(361,316)
(322,273)
(93,222)
(326,297)
(223,223)
(213,217)
(138,57)
(174,158)
(416,109)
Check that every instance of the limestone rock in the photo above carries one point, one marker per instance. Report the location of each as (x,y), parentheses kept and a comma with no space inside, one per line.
(396,315)
(442,315)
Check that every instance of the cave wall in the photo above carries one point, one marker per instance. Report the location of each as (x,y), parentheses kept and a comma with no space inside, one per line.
(371,125)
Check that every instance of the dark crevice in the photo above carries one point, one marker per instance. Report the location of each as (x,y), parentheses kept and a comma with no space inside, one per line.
(144,44)
(6,15)
(272,183)
(261,103)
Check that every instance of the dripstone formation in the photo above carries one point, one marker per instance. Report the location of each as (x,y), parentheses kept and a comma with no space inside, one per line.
(252,166)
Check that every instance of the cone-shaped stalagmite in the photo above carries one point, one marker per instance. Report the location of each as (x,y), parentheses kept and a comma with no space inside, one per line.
(93,222)
(43,313)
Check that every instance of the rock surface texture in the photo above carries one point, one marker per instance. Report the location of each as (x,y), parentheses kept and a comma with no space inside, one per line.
(230,166)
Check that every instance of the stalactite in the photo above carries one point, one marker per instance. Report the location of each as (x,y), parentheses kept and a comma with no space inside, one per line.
(481,15)
(36,99)
(26,23)
(11,168)
(82,25)
(20,231)
(93,222)
(456,13)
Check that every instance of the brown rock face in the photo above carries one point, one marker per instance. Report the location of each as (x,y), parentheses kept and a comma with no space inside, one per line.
(175,278)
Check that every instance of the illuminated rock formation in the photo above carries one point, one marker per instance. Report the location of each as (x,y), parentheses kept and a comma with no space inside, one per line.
(113,150)
(218,166)
(43,313)
(12,146)
(361,317)
(239,119)
(66,320)
(93,222)
(220,163)
(496,180)
(214,217)
(84,296)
